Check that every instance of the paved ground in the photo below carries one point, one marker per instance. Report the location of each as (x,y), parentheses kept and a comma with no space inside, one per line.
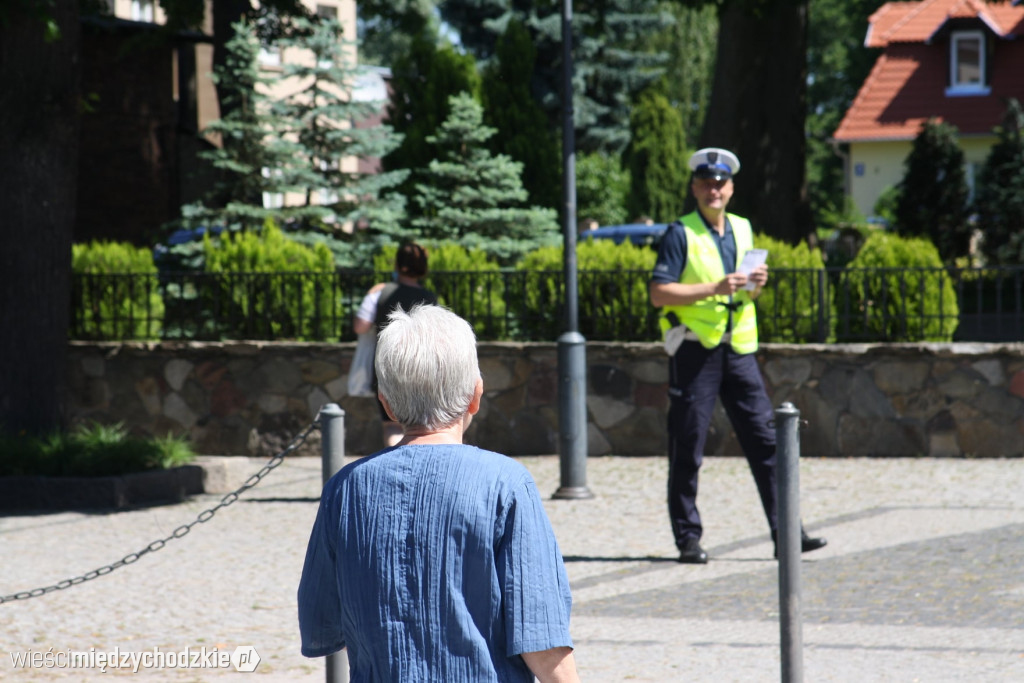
(922,580)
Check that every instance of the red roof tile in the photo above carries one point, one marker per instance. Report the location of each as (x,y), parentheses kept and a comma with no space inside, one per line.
(907,85)
(917,22)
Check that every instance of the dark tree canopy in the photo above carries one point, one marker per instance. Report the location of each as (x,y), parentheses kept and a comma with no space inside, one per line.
(612,63)
(837,62)
(758,109)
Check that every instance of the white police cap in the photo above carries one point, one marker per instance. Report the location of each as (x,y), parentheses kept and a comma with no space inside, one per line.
(713,162)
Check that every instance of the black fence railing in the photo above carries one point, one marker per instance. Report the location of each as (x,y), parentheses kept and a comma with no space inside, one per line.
(798,306)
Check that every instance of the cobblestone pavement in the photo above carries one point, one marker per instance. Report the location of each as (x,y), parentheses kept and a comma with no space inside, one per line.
(922,579)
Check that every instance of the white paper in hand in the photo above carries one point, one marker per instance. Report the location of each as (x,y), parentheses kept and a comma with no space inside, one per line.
(752,259)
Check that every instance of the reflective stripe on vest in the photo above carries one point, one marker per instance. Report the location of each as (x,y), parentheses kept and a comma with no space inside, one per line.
(709,317)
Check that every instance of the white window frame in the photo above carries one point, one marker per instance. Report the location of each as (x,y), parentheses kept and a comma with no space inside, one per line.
(958,89)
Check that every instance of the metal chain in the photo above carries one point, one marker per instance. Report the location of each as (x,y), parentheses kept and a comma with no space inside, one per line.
(202,518)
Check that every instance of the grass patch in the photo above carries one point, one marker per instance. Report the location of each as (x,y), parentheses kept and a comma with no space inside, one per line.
(92,450)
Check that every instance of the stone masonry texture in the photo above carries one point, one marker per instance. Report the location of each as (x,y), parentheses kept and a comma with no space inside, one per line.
(251,398)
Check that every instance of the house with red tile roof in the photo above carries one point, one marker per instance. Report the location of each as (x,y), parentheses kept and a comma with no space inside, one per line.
(953,60)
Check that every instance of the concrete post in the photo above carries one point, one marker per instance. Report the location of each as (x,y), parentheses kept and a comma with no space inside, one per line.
(787,454)
(332,443)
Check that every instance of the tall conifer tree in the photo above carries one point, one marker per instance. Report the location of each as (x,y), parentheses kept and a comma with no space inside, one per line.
(322,121)
(657,160)
(933,193)
(523,130)
(252,151)
(421,84)
(468,194)
(999,193)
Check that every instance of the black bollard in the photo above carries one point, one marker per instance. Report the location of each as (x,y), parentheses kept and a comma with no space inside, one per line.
(332,444)
(787,474)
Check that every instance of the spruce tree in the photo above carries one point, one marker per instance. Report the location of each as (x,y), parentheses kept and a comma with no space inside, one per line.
(523,130)
(933,193)
(322,121)
(252,151)
(656,160)
(469,195)
(999,192)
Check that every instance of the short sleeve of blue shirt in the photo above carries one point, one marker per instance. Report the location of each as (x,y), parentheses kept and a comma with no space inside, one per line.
(671,255)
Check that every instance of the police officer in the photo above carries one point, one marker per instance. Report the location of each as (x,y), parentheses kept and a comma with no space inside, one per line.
(710,325)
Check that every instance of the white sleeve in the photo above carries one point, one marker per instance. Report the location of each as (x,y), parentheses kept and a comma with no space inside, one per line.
(368,308)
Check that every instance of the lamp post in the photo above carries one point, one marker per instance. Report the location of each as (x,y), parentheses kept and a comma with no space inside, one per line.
(572,351)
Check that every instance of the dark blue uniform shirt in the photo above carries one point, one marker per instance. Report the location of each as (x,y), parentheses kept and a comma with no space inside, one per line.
(672,251)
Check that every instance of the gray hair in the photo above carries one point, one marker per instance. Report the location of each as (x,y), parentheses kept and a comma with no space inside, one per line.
(427,366)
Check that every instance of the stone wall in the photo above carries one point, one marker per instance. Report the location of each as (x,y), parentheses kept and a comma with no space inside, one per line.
(251,398)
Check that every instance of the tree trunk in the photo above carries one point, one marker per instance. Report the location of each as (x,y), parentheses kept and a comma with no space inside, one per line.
(39,156)
(758,110)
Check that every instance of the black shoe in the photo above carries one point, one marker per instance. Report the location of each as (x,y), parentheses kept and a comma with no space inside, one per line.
(807,543)
(690,552)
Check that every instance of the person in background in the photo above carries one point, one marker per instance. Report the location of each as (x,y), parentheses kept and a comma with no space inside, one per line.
(384,297)
(710,325)
(435,560)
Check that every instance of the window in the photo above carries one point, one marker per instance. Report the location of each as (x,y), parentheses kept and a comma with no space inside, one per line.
(967,64)
(142,10)
(327,11)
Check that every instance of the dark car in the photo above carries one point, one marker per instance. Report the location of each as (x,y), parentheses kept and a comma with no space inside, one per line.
(638,233)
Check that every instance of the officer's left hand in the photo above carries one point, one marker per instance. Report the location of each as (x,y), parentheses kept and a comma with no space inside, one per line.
(759,275)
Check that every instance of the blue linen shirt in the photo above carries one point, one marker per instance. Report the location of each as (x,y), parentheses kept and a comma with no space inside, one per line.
(433,563)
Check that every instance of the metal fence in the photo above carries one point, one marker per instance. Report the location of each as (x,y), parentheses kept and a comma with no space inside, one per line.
(798,306)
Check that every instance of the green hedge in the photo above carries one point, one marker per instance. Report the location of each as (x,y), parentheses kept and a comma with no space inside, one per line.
(113,306)
(467,281)
(610,306)
(907,295)
(277,288)
(795,308)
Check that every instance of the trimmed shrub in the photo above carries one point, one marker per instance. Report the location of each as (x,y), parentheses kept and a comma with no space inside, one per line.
(897,290)
(795,307)
(608,309)
(116,292)
(270,287)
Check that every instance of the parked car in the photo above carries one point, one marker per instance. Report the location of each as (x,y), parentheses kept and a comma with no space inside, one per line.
(638,233)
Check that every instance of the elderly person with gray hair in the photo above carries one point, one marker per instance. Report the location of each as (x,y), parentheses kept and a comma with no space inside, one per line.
(434,560)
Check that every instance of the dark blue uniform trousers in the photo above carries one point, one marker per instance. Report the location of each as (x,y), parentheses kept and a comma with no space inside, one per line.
(697,376)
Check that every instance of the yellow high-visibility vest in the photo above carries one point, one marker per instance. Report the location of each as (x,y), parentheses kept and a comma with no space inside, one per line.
(709,317)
